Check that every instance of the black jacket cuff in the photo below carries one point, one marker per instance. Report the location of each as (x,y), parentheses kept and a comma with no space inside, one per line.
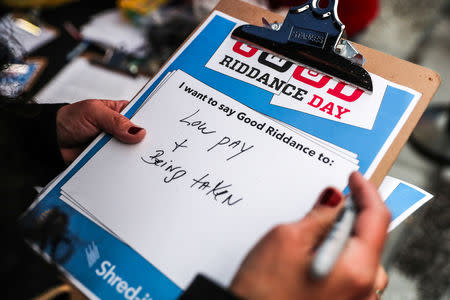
(31,140)
(203,288)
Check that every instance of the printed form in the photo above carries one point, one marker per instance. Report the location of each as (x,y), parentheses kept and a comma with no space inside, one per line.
(211,175)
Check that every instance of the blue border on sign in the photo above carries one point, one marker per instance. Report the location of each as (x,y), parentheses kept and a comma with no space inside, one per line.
(402,198)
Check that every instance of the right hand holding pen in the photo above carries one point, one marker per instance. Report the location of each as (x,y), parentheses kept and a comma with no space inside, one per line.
(278,267)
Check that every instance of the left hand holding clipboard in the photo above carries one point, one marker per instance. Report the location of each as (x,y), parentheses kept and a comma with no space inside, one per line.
(278,267)
(79,123)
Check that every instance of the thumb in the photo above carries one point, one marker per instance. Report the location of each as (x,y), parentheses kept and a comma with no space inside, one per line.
(316,224)
(117,125)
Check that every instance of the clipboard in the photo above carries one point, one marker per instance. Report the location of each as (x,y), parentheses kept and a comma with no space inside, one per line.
(423,80)
(397,70)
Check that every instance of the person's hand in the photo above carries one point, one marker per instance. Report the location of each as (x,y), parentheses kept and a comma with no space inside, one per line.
(278,267)
(79,123)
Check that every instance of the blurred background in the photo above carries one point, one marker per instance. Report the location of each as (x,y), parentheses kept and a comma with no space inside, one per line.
(417,256)
(109,49)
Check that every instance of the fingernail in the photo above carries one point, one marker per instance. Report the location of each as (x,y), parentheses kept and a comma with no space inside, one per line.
(134,130)
(330,197)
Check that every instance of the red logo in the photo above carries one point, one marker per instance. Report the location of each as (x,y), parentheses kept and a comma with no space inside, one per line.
(319,84)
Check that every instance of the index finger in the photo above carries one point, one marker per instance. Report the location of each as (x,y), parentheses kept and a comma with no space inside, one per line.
(373,218)
(116,105)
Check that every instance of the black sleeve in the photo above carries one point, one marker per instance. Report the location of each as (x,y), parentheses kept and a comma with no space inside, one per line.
(28,142)
(29,155)
(203,288)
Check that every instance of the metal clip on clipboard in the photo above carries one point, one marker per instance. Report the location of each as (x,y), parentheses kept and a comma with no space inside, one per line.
(311,36)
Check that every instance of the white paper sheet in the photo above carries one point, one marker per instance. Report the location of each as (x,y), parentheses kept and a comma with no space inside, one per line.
(111,29)
(129,195)
(80,80)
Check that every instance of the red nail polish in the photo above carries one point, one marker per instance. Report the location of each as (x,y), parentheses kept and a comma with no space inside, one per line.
(134,130)
(330,197)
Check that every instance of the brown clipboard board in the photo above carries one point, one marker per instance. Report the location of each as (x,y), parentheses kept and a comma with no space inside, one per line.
(394,69)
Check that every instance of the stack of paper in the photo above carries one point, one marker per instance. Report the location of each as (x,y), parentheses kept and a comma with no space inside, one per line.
(204,152)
